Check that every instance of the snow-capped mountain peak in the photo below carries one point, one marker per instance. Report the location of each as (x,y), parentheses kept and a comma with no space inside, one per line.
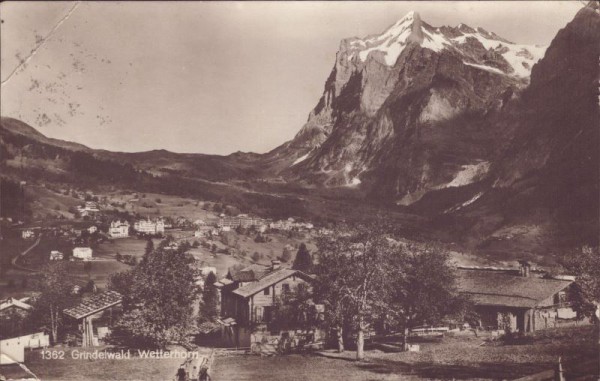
(480,48)
(390,44)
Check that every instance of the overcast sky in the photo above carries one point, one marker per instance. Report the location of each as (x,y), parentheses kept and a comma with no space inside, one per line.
(205,77)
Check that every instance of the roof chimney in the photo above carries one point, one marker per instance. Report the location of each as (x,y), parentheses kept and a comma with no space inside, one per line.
(275,264)
(524,268)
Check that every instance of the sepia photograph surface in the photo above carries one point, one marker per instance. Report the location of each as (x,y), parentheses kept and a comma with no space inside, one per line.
(194,191)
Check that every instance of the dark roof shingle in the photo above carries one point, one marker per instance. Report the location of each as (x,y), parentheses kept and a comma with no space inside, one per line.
(268,280)
(250,274)
(93,304)
(497,288)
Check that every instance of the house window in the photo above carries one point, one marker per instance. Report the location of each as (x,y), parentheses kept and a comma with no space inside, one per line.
(267,314)
(285,287)
(267,291)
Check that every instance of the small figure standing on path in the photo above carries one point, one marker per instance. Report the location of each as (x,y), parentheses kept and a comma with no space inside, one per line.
(181,374)
(204,374)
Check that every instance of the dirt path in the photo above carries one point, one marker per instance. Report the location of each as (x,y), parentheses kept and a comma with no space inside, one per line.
(24,253)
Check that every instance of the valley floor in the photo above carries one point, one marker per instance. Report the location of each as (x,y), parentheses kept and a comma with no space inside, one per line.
(456,357)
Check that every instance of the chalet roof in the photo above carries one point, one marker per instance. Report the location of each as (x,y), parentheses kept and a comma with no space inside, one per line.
(12,302)
(500,288)
(250,274)
(223,282)
(94,304)
(268,280)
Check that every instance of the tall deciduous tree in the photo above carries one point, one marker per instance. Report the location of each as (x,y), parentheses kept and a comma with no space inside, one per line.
(210,299)
(303,260)
(366,277)
(421,288)
(148,249)
(354,266)
(55,296)
(585,265)
(159,295)
(149,246)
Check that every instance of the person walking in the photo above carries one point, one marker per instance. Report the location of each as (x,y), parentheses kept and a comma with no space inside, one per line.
(181,376)
(203,376)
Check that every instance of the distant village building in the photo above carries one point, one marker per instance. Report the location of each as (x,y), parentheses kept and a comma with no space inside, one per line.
(242,220)
(516,300)
(84,253)
(56,255)
(119,229)
(205,231)
(325,231)
(290,224)
(88,208)
(92,229)
(248,296)
(262,228)
(149,226)
(172,246)
(28,233)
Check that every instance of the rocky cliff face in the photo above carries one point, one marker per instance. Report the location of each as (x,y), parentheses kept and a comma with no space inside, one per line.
(540,191)
(549,174)
(401,113)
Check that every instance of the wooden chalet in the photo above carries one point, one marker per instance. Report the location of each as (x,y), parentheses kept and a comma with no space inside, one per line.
(247,297)
(516,299)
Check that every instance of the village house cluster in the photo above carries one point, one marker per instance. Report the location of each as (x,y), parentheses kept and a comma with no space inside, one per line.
(88,209)
(122,228)
(119,229)
(214,226)
(148,226)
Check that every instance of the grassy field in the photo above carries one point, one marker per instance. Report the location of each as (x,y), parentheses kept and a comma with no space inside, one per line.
(135,247)
(99,273)
(70,368)
(124,246)
(222,262)
(273,248)
(23,281)
(459,357)
(173,206)
(45,201)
